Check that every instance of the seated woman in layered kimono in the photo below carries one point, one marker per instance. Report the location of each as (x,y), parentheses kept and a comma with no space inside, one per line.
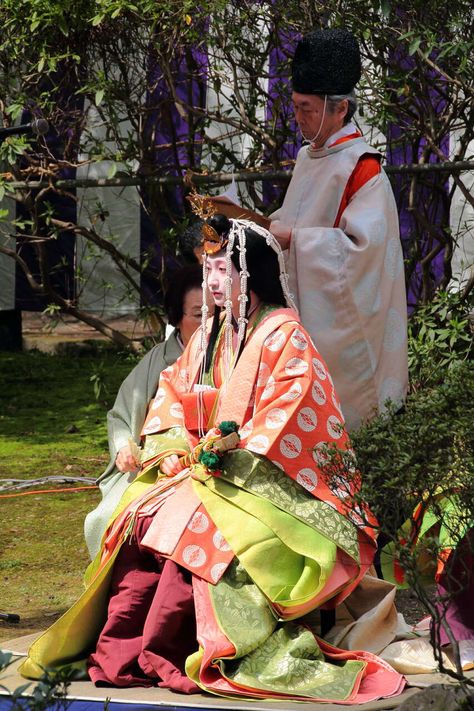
(214,563)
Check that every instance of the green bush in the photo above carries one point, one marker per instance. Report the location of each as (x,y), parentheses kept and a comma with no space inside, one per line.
(427,446)
(414,455)
(440,335)
(422,456)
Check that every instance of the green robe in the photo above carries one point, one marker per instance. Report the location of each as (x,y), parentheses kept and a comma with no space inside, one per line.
(124,422)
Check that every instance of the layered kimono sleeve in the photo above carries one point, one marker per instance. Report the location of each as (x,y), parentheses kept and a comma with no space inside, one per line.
(125,418)
(296,409)
(164,430)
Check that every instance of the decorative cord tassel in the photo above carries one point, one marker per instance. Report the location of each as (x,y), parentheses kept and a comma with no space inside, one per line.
(204,307)
(228,328)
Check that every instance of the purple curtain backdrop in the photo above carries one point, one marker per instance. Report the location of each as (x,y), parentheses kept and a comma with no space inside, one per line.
(279,111)
(177,142)
(403,149)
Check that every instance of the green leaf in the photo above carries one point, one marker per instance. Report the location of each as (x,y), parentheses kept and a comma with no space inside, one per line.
(385,8)
(63,26)
(414,44)
(99,95)
(112,170)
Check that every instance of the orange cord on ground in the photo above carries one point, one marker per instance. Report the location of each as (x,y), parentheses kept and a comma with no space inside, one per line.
(46,491)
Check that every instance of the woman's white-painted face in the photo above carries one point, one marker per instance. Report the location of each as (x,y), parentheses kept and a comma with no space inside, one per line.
(216,280)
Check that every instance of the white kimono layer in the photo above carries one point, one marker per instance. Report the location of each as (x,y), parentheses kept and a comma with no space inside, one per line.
(348,280)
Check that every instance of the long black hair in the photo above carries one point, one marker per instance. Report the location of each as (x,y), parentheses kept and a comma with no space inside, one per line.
(263,269)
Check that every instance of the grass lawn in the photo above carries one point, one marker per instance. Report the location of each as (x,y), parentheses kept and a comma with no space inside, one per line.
(50,424)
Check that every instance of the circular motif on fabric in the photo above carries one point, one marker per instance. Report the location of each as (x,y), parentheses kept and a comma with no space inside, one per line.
(356,516)
(278,465)
(275,418)
(290,446)
(199,522)
(395,331)
(263,375)
(307,478)
(258,444)
(165,374)
(183,375)
(319,455)
(152,425)
(393,262)
(307,419)
(217,571)
(334,427)
(293,393)
(246,430)
(176,410)
(269,388)
(319,369)
(220,542)
(194,556)
(299,340)
(275,341)
(367,293)
(317,391)
(296,366)
(341,494)
(159,398)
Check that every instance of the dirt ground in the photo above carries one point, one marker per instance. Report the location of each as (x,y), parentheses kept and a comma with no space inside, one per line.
(47,334)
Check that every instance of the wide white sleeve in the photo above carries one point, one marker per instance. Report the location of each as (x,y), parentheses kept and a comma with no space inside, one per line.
(350,289)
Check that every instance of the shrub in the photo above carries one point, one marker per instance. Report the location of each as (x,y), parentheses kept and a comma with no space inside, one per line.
(440,335)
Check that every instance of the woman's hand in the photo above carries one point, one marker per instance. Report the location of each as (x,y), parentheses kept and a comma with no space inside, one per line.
(171,465)
(125,461)
(282,233)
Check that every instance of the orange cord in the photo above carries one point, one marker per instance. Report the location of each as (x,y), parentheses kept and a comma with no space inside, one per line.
(46,491)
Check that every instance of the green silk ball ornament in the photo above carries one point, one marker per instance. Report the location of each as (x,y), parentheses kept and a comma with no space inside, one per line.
(210,460)
(228,426)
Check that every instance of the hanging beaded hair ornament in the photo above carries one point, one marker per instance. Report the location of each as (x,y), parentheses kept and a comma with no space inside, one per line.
(213,243)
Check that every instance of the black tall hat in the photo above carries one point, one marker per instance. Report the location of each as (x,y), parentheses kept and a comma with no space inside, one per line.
(326,62)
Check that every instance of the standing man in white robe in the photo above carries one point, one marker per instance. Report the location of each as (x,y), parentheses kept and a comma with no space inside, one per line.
(339,222)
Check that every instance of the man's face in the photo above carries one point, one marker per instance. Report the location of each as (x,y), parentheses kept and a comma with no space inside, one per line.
(313,120)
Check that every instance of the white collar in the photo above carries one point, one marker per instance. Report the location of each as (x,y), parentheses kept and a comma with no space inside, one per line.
(329,149)
(344,131)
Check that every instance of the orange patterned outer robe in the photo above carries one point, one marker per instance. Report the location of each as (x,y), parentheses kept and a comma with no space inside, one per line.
(287,410)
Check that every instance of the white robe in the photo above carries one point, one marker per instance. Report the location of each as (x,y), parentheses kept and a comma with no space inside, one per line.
(349,281)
